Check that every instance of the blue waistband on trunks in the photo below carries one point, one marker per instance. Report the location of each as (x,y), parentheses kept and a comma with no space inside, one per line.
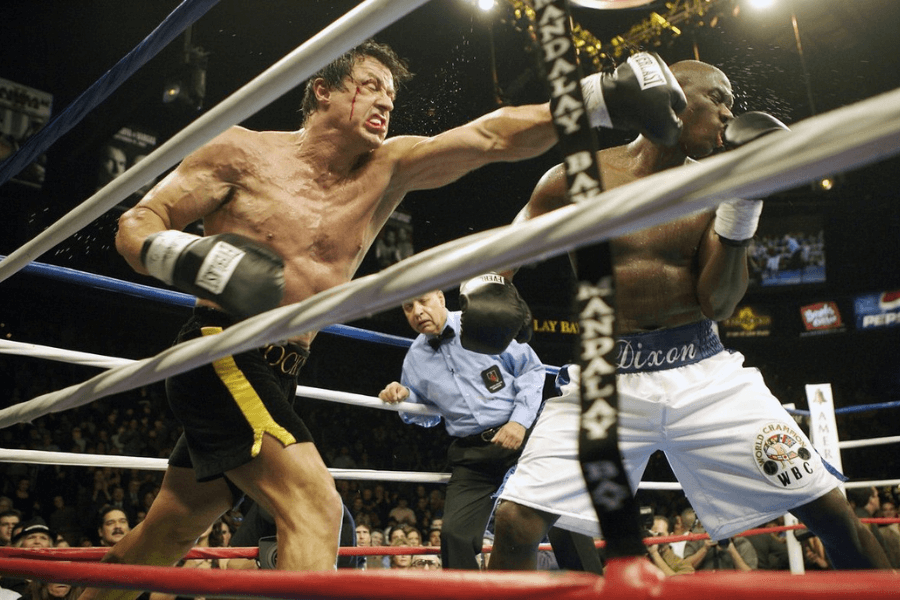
(666,348)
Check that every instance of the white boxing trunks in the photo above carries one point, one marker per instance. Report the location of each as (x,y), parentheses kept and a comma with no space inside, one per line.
(739,456)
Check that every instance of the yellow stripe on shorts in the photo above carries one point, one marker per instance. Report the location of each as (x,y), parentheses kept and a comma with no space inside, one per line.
(248,400)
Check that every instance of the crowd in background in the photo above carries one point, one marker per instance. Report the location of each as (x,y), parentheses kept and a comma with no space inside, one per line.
(139,423)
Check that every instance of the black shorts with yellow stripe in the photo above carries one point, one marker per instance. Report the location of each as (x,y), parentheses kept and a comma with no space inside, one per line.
(227,407)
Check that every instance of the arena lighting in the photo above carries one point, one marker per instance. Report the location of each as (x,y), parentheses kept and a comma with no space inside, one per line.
(188,85)
(760,4)
(486,5)
(609,4)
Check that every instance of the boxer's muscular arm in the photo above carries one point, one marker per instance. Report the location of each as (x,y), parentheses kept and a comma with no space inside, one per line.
(190,192)
(723,276)
(641,94)
(549,194)
(507,134)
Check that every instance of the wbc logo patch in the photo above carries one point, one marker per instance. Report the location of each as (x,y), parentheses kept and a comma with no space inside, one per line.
(782,455)
(493,379)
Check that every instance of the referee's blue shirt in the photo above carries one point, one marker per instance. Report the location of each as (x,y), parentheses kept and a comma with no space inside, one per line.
(456,383)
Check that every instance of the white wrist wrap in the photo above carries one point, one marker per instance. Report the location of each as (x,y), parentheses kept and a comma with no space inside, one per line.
(737,219)
(592,91)
(164,251)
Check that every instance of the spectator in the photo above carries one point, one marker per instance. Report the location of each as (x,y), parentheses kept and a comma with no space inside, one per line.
(771,548)
(680,527)
(65,520)
(434,538)
(423,513)
(33,534)
(112,525)
(413,536)
(386,250)
(344,460)
(890,532)
(400,561)
(28,534)
(427,562)
(24,500)
(404,243)
(814,557)
(402,514)
(662,555)
(396,533)
(731,554)
(133,497)
(377,537)
(436,503)
(8,521)
(364,540)
(41,590)
(101,495)
(78,441)
(865,502)
(221,534)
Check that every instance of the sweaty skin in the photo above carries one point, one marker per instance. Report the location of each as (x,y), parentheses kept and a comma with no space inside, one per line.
(319,196)
(659,278)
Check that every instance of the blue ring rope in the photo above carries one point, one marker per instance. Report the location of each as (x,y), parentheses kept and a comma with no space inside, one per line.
(852,409)
(138,290)
(102,282)
(184,15)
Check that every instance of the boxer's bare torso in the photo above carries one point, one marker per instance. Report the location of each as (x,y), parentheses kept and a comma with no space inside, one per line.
(264,186)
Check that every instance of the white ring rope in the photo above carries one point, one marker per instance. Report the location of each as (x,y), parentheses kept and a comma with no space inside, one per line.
(87,359)
(832,142)
(869,442)
(358,24)
(76,459)
(106,362)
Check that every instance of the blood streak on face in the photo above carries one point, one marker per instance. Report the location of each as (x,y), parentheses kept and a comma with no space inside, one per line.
(353,103)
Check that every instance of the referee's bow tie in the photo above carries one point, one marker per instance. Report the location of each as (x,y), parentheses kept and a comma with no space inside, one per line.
(437,340)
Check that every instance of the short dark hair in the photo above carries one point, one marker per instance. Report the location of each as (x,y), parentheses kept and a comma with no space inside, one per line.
(859,496)
(13,512)
(339,69)
(105,510)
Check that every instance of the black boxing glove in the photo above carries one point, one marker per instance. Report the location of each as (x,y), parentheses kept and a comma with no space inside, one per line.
(750,126)
(493,314)
(736,220)
(640,95)
(241,276)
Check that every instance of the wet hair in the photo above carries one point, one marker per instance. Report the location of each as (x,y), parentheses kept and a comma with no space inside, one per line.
(338,70)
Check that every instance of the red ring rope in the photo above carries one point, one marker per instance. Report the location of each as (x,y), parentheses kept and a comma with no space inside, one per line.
(457,585)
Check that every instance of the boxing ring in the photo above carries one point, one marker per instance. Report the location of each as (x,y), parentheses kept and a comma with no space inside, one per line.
(841,140)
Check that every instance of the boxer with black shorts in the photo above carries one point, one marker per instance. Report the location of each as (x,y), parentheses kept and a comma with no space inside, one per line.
(246,395)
